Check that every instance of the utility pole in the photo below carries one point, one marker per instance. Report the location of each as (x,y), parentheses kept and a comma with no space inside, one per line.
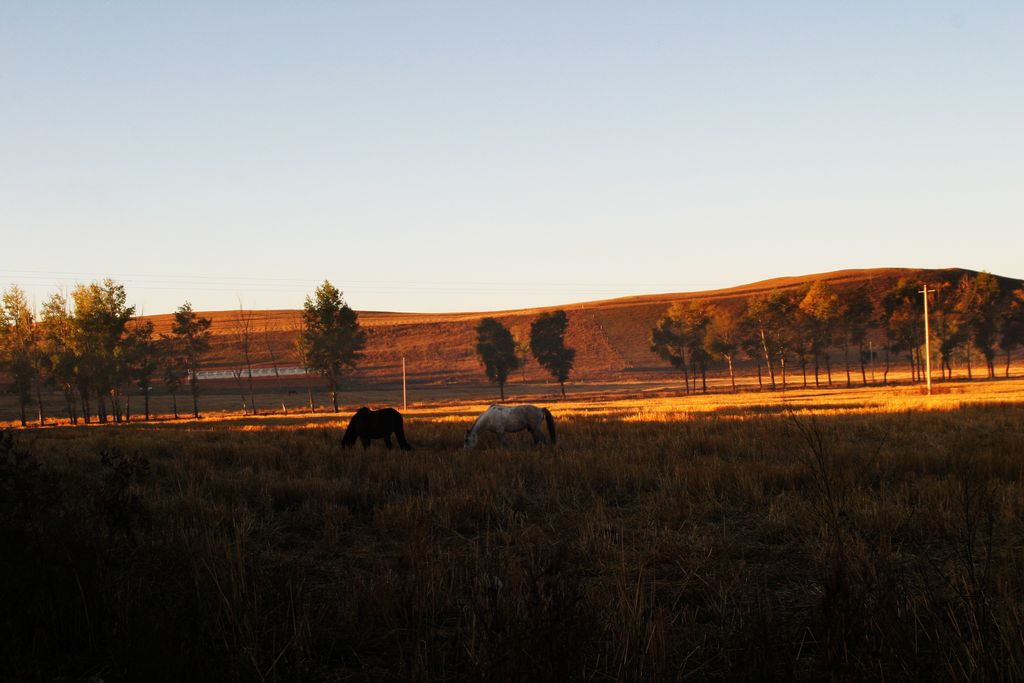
(405,403)
(927,345)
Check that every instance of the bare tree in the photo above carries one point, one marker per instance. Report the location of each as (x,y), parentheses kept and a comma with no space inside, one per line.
(303,350)
(523,354)
(270,344)
(236,374)
(244,339)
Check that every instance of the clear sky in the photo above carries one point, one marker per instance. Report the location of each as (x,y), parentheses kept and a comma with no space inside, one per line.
(436,156)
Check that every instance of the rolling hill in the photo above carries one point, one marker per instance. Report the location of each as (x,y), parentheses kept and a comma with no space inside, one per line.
(611,336)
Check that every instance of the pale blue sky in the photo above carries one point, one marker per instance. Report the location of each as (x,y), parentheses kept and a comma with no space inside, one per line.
(434,156)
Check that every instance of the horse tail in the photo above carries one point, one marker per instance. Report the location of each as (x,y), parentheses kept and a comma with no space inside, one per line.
(551,423)
(400,432)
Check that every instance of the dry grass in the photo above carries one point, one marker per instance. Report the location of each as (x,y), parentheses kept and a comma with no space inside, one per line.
(850,534)
(612,337)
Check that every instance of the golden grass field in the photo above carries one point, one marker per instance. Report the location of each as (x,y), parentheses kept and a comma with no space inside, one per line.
(864,533)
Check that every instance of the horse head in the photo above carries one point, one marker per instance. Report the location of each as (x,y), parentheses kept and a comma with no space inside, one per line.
(355,426)
(470,440)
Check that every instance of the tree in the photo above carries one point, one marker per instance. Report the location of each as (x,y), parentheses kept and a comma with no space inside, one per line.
(270,344)
(143,356)
(697,317)
(57,340)
(172,368)
(547,343)
(769,316)
(858,318)
(668,340)
(904,323)
(101,314)
(750,344)
(821,307)
(19,350)
(784,306)
(497,351)
(679,337)
(761,322)
(1011,329)
(724,339)
(802,340)
(523,355)
(192,337)
(331,336)
(244,339)
(979,313)
(303,350)
(945,326)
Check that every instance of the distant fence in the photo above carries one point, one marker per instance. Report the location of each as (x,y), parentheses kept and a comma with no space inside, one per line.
(256,372)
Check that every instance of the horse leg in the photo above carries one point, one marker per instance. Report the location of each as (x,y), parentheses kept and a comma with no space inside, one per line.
(387,441)
(503,439)
(400,435)
(365,441)
(538,436)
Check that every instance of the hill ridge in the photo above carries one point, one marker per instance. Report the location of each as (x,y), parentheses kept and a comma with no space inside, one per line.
(611,335)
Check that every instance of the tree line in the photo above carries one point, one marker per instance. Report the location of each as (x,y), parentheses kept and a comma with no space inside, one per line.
(91,347)
(806,329)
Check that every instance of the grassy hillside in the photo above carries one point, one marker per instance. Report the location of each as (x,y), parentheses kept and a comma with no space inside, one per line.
(611,337)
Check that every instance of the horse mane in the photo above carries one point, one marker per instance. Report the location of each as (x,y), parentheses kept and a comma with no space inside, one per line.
(472,427)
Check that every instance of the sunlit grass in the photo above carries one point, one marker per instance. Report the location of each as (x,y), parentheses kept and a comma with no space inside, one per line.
(621,401)
(862,533)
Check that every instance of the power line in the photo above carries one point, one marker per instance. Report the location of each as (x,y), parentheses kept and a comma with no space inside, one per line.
(171,278)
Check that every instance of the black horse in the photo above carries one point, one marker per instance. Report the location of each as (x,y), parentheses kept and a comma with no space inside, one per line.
(369,424)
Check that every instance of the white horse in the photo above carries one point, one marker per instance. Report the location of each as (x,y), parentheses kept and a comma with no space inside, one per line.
(502,419)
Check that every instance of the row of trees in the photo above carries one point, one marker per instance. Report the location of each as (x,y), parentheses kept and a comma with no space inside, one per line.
(91,348)
(501,354)
(808,326)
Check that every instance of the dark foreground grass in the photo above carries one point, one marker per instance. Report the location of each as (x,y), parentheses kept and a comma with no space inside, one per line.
(777,546)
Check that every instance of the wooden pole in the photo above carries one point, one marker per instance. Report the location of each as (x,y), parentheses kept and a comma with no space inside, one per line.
(405,403)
